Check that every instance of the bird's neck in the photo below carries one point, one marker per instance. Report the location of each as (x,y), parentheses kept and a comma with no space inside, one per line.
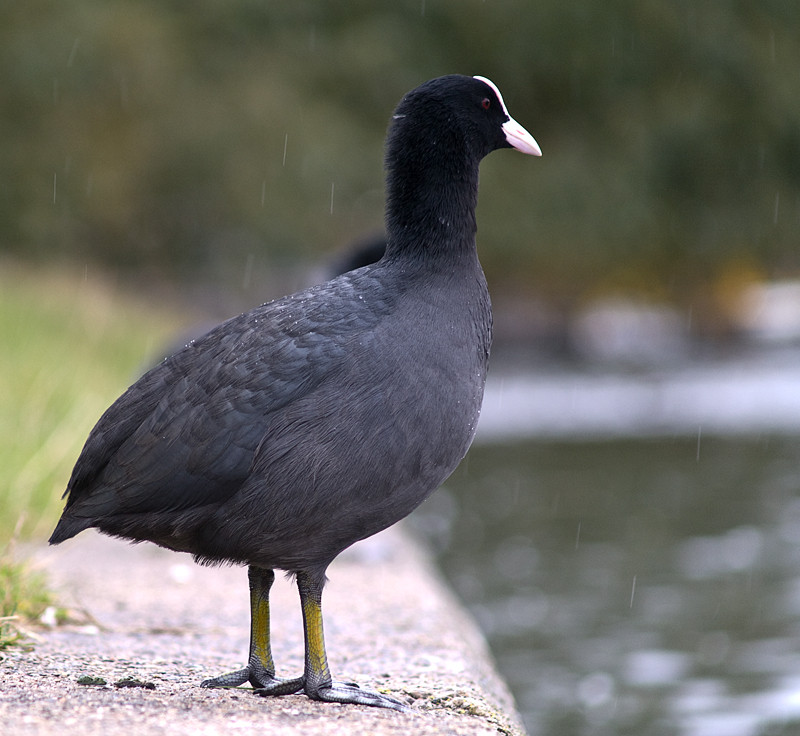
(430,208)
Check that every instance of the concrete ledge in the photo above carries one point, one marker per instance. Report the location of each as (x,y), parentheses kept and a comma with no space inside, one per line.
(155,616)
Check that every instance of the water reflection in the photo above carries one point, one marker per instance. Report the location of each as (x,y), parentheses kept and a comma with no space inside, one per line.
(633,586)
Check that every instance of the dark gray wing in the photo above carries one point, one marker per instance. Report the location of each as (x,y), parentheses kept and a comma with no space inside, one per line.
(184,435)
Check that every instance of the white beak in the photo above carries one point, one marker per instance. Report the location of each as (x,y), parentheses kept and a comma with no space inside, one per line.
(520,138)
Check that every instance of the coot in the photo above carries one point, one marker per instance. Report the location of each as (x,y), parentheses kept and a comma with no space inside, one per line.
(288,433)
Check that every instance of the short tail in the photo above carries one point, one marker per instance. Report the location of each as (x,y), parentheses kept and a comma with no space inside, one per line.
(68,526)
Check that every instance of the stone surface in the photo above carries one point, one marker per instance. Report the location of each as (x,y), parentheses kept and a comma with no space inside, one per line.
(155,617)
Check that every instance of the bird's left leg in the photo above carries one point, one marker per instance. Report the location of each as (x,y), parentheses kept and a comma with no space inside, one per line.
(260,669)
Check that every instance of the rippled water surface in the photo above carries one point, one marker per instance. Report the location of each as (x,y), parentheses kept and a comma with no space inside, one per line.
(633,586)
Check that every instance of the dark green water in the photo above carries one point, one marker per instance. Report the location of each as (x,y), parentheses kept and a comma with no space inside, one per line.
(633,587)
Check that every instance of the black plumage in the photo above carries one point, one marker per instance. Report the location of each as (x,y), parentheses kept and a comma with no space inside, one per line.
(288,433)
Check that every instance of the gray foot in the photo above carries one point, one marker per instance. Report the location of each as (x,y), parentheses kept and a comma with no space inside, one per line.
(336,692)
(258,678)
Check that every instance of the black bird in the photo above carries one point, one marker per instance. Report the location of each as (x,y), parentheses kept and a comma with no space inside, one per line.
(288,433)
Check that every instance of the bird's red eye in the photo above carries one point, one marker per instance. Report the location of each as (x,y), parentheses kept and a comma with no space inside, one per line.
(486,103)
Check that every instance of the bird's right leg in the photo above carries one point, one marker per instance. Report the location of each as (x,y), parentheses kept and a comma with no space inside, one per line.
(260,669)
(316,681)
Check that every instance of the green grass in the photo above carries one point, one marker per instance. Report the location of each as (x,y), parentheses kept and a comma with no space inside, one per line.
(70,345)
(24,597)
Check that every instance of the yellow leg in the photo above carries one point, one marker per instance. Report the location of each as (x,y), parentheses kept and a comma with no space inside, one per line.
(318,682)
(260,658)
(260,669)
(317,672)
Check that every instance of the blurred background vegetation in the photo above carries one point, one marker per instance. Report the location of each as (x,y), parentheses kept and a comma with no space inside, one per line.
(205,143)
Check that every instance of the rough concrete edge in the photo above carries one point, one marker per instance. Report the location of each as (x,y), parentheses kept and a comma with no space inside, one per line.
(495,703)
(482,694)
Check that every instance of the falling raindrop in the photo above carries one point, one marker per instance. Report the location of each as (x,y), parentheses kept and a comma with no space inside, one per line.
(699,433)
(73,51)
(248,272)
(633,591)
(285,145)
(578,536)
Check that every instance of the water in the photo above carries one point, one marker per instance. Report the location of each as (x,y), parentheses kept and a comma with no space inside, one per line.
(756,392)
(643,582)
